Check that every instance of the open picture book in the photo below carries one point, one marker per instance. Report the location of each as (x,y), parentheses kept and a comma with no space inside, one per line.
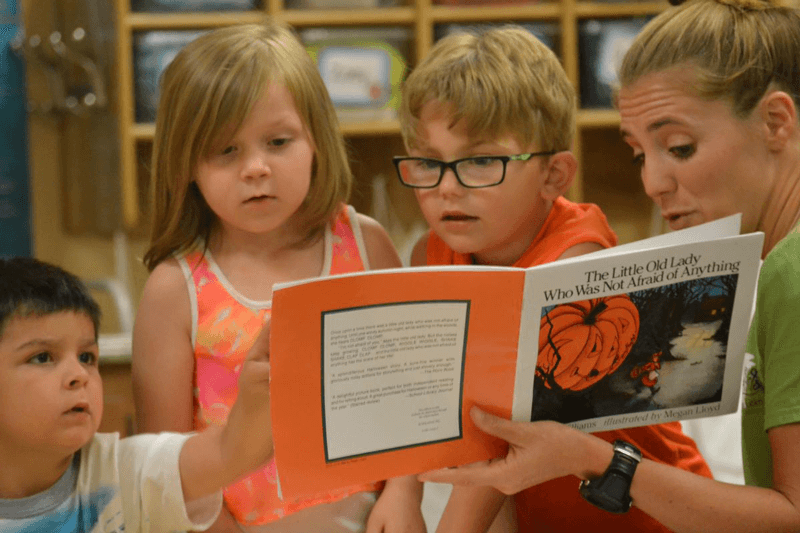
(374,373)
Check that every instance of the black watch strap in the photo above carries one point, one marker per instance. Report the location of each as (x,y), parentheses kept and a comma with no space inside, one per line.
(611,491)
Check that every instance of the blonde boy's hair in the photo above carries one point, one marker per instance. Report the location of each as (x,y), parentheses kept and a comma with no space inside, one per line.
(739,49)
(500,81)
(207,92)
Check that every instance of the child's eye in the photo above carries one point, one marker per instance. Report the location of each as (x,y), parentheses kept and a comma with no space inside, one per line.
(483,161)
(427,164)
(683,152)
(41,358)
(280,141)
(228,150)
(88,358)
(638,160)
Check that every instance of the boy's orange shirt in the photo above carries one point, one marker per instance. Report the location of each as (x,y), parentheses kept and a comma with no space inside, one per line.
(567,225)
(557,505)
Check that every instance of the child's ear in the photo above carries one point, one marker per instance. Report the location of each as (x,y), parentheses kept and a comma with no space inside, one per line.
(561,170)
(780,117)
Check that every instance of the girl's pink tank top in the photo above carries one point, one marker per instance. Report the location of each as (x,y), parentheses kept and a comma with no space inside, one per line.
(224,326)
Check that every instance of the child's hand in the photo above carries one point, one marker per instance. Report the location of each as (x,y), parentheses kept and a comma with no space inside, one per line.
(216,457)
(247,436)
(254,377)
(398,509)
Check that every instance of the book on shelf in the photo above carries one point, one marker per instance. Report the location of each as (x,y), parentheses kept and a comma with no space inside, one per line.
(374,373)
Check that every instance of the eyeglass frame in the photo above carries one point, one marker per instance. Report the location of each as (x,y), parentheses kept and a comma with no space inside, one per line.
(444,165)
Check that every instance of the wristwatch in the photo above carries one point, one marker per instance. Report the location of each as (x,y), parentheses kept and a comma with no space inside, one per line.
(610,491)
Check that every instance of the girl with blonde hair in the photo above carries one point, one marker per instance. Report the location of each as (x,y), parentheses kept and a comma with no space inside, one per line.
(250,180)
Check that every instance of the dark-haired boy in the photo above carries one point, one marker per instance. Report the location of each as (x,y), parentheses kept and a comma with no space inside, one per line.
(56,472)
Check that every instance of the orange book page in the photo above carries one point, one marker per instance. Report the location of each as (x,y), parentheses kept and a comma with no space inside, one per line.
(490,302)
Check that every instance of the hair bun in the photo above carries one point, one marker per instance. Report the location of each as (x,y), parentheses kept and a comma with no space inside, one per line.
(756,5)
(747,4)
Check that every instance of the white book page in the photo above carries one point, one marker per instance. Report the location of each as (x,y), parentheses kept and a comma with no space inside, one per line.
(402,363)
(716,229)
(680,365)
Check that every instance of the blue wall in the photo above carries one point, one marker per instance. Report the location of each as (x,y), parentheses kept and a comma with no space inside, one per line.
(15,208)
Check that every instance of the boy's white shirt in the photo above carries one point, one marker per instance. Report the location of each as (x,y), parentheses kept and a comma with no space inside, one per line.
(126,485)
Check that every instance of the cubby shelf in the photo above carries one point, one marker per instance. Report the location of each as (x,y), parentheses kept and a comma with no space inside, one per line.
(596,143)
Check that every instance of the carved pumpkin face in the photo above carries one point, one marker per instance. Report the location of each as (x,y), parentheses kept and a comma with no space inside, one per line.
(582,342)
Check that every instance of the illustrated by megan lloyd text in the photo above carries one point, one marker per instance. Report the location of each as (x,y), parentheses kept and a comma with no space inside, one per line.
(374,373)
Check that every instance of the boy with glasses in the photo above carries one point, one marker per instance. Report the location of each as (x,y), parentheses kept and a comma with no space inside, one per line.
(488,121)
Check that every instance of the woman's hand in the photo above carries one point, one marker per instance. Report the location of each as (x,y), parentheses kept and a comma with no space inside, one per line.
(538,452)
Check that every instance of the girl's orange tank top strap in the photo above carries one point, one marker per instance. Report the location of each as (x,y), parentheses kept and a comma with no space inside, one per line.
(348,253)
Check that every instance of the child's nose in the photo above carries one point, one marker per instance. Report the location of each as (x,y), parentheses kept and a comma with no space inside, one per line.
(76,374)
(256,166)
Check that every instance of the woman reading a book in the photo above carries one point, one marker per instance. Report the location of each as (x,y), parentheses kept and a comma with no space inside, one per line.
(709,99)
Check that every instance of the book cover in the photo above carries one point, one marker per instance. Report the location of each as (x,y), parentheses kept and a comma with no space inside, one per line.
(373,373)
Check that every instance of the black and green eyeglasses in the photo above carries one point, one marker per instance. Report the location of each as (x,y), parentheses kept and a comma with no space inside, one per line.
(471,172)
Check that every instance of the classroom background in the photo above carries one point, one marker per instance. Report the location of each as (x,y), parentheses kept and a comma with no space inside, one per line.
(79,90)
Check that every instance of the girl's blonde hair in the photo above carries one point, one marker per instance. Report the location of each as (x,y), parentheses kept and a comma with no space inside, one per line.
(739,49)
(500,81)
(207,91)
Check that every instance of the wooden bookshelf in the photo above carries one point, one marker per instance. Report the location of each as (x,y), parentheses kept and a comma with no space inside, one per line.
(597,139)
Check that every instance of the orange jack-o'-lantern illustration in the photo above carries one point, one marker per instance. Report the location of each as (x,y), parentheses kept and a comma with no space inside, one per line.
(582,342)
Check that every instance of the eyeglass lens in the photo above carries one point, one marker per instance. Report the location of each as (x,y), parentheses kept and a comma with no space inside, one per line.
(474,172)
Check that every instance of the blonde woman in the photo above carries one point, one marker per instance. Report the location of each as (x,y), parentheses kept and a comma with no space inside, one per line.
(709,100)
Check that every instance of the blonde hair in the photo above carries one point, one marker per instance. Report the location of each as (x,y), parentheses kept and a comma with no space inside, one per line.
(207,91)
(500,81)
(739,49)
